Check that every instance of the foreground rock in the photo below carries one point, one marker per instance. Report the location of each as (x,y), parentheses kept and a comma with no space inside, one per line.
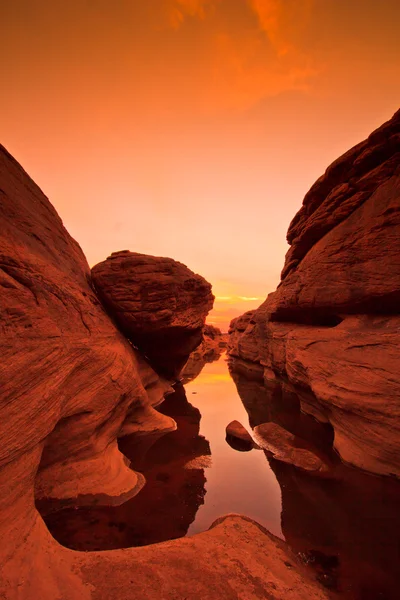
(236,558)
(331,329)
(158,303)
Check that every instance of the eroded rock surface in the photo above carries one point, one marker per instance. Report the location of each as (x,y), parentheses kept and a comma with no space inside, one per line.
(70,386)
(331,329)
(158,303)
(70,382)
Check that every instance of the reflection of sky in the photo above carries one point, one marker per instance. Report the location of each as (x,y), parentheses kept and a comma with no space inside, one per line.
(237,482)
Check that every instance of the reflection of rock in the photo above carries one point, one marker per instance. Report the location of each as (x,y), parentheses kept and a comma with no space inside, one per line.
(159,304)
(274,401)
(211,347)
(345,526)
(168,503)
(70,385)
(331,327)
(238,437)
(347,529)
(289,448)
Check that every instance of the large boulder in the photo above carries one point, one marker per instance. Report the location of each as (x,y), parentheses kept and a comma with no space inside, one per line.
(158,303)
(331,329)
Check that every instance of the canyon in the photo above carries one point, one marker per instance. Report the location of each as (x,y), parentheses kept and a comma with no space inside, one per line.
(93,374)
(72,384)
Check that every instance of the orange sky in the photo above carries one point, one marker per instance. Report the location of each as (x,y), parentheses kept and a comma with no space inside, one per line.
(192,128)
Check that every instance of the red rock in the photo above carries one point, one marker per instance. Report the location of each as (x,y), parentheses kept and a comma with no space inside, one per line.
(238,437)
(331,328)
(288,448)
(158,303)
(70,385)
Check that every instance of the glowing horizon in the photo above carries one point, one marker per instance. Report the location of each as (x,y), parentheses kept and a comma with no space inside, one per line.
(193,128)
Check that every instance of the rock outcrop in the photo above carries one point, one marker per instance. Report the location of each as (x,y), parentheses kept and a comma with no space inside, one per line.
(70,386)
(332,327)
(158,303)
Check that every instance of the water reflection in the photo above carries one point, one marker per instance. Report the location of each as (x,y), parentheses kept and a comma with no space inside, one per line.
(346,526)
(174,469)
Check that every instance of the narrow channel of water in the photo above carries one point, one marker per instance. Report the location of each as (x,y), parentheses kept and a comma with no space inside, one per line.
(236,482)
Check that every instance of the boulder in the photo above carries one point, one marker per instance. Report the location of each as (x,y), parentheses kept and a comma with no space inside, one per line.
(288,448)
(158,303)
(238,437)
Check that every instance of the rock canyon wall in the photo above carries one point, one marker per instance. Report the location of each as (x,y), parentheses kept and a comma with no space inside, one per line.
(330,332)
(71,384)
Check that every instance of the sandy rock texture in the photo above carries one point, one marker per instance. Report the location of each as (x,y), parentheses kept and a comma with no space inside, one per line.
(70,386)
(158,303)
(331,329)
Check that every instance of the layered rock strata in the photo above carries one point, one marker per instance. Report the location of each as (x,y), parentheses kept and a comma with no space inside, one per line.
(158,303)
(331,329)
(70,386)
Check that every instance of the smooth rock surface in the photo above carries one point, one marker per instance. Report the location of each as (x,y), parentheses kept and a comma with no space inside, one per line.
(158,303)
(70,386)
(288,448)
(238,436)
(70,383)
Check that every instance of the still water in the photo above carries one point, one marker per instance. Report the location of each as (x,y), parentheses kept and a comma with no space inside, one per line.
(238,482)
(345,527)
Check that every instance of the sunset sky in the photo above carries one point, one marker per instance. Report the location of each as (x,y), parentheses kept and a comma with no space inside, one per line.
(192,128)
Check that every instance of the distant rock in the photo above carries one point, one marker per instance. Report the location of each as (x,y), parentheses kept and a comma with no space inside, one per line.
(212,346)
(331,329)
(158,303)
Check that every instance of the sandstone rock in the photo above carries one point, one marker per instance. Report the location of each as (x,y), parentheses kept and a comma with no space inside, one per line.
(288,448)
(331,329)
(69,381)
(158,303)
(238,437)
(70,385)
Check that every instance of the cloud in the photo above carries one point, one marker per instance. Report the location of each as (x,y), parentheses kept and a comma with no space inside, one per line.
(179,10)
(239,52)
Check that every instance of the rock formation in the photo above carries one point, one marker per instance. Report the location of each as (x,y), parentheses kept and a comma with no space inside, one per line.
(331,329)
(158,303)
(344,524)
(210,349)
(238,437)
(70,386)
